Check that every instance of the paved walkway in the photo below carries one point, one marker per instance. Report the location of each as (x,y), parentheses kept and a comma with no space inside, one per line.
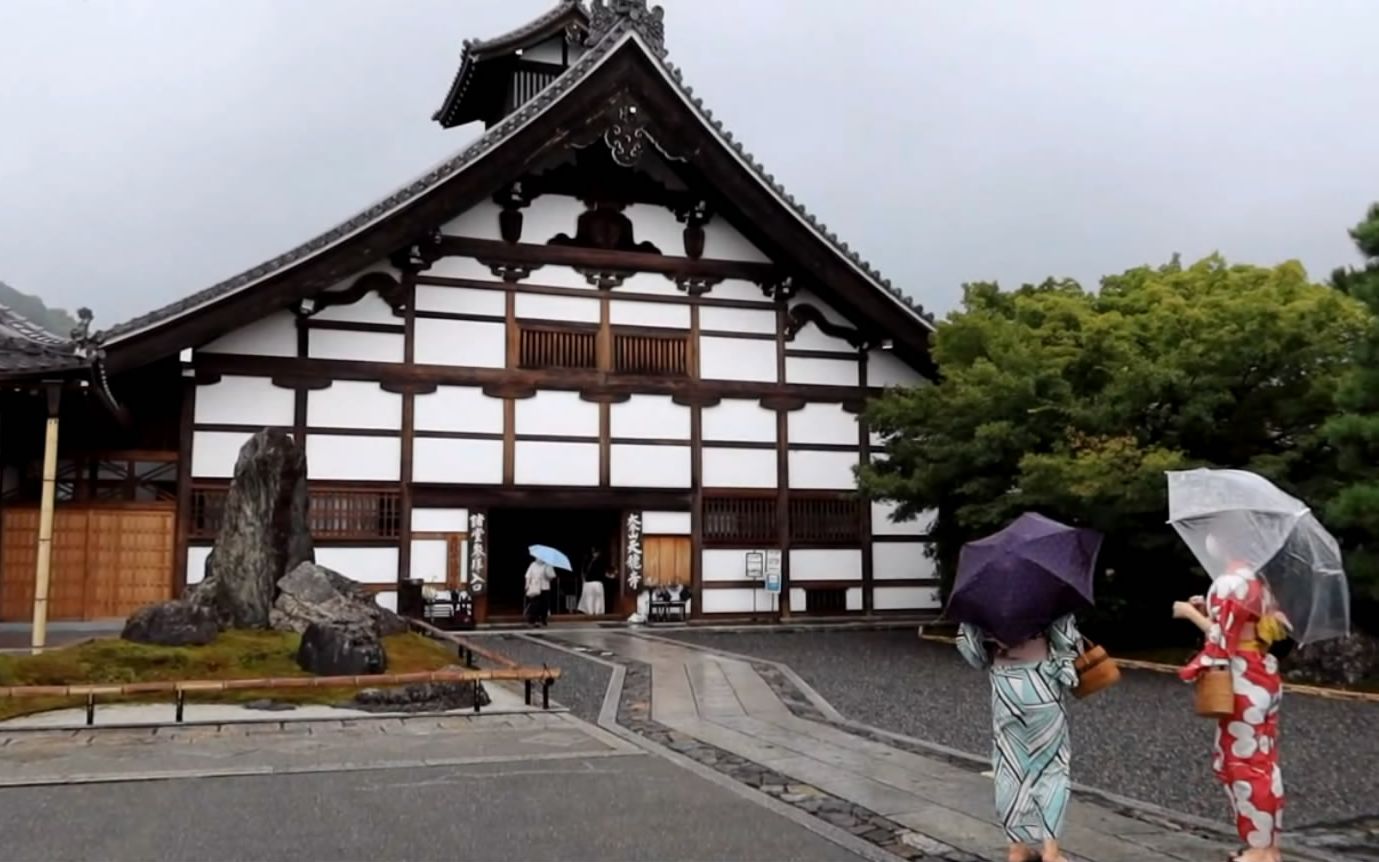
(724,702)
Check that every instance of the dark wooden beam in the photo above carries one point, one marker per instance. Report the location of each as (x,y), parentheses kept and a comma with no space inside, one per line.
(603,260)
(490,496)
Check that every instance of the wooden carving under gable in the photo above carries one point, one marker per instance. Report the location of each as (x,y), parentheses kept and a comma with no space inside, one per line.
(804,314)
(386,285)
(604,225)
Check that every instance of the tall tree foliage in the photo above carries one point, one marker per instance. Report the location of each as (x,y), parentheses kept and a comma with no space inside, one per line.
(1074,403)
(1355,430)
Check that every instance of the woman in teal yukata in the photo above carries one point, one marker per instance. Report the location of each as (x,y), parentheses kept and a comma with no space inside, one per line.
(1030,747)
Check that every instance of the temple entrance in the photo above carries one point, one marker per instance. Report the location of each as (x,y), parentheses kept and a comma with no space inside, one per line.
(572,531)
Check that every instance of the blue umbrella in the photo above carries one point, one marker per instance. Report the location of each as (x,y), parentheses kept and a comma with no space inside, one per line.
(1016,582)
(551,557)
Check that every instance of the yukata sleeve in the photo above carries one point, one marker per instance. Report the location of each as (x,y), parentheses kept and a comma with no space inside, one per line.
(1228,619)
(971,648)
(1065,642)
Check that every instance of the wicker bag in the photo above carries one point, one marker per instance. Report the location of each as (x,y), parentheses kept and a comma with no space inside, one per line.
(1095,670)
(1215,693)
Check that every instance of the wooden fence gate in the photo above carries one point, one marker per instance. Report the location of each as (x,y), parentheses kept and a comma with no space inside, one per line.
(107,561)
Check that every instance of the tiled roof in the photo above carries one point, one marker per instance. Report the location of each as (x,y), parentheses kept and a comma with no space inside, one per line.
(490,140)
(27,347)
(475,49)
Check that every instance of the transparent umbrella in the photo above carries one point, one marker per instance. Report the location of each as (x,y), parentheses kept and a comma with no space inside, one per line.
(1234,519)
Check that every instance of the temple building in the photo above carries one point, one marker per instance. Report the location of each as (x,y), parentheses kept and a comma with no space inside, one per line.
(601,325)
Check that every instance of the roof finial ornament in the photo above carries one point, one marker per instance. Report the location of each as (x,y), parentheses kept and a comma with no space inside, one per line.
(604,15)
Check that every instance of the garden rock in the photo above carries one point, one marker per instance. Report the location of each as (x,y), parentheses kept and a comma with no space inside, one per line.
(421,697)
(175,623)
(264,532)
(1343,661)
(311,593)
(341,649)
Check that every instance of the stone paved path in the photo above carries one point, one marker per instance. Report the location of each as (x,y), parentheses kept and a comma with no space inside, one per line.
(725,703)
(35,757)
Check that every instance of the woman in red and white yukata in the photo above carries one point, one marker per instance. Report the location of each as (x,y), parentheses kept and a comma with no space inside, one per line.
(1240,622)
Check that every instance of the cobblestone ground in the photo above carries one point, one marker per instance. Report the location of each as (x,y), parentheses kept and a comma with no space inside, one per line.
(1138,740)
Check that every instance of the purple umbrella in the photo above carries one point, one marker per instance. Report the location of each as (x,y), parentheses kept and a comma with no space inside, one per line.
(1014,583)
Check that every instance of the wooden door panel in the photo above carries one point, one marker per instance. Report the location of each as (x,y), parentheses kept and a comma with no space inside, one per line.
(666,561)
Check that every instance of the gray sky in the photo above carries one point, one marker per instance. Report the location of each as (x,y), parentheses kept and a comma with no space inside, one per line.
(151,147)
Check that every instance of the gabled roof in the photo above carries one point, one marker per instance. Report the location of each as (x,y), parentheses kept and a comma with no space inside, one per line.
(556,22)
(626,26)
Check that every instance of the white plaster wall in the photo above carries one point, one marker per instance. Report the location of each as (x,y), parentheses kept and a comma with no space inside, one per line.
(905,598)
(461,300)
(882,525)
(633,313)
(548,51)
(196,563)
(553,411)
(274,335)
(854,599)
(461,342)
(736,601)
(739,468)
(833,315)
(564,276)
(649,417)
(799,600)
(737,359)
(548,216)
(459,266)
(386,600)
(740,289)
(440,520)
(458,462)
(556,463)
(739,420)
(244,401)
(725,564)
(722,241)
(665,523)
(354,404)
(571,309)
(458,408)
(649,466)
(214,453)
(830,470)
(721,319)
(365,565)
(822,423)
(362,459)
(429,560)
(657,225)
(885,369)
(822,372)
(825,564)
(356,346)
(369,309)
(897,561)
(478,222)
(650,283)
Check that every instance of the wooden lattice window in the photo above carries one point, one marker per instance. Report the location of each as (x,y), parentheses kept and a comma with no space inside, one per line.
(336,514)
(825,600)
(740,521)
(651,353)
(825,521)
(107,477)
(550,346)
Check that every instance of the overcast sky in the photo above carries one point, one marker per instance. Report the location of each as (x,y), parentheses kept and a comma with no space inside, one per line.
(149,148)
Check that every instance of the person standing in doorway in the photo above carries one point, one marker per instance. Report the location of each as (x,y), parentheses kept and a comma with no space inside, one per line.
(548,576)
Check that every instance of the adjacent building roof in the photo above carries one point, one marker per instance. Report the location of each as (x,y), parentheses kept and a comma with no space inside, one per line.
(27,348)
(614,24)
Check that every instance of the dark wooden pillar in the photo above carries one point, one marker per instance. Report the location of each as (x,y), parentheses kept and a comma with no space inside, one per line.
(864,456)
(184,479)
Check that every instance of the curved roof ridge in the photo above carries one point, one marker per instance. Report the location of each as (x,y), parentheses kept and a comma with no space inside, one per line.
(29,330)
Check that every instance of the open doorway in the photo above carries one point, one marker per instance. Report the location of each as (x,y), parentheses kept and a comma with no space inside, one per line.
(573,531)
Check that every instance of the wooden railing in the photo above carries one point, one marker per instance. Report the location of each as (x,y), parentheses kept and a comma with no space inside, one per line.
(827,521)
(740,521)
(556,347)
(339,514)
(643,353)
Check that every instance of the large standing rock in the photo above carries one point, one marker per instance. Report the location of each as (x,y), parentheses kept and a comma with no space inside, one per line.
(175,623)
(341,649)
(311,593)
(264,533)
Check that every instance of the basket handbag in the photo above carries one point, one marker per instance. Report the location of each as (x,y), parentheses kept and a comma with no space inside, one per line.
(1215,693)
(1096,670)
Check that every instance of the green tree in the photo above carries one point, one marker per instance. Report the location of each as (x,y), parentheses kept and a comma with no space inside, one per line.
(1355,429)
(1074,403)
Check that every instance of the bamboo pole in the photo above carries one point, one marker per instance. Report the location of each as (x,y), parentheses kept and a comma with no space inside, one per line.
(43,567)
